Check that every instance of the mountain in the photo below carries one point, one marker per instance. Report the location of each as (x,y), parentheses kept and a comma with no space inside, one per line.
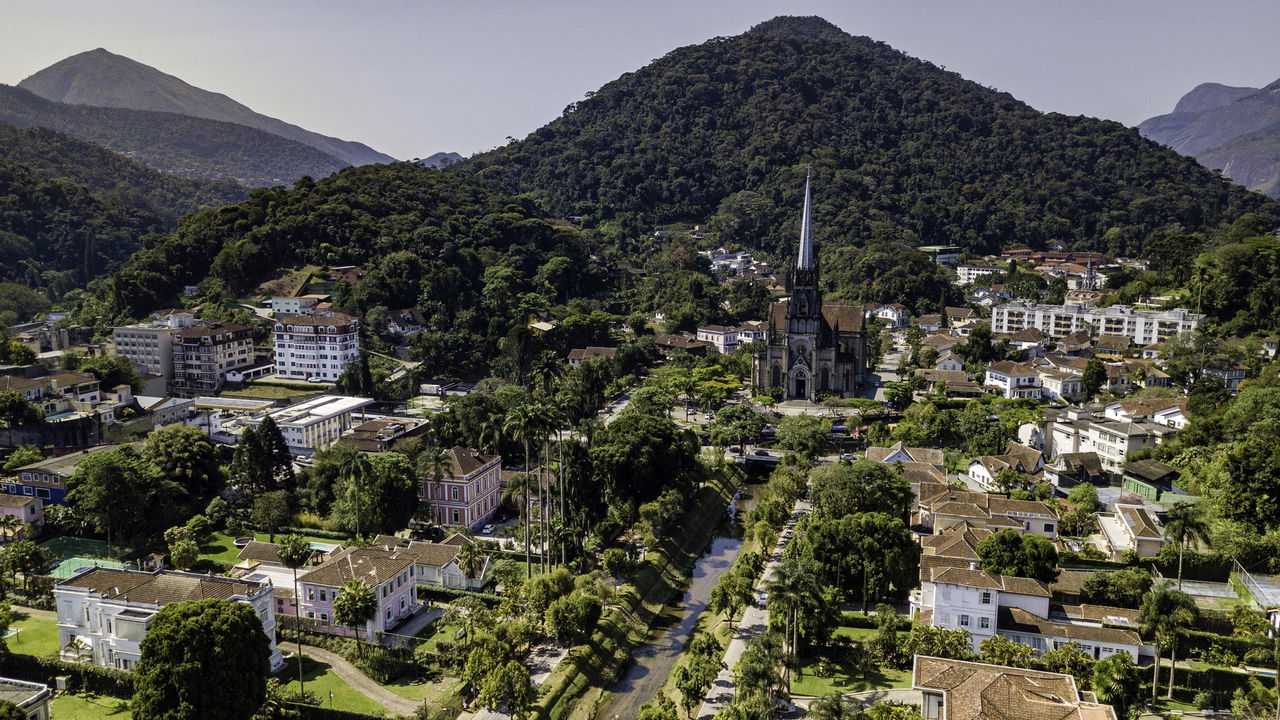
(103,173)
(176,144)
(104,79)
(1232,129)
(721,131)
(441,159)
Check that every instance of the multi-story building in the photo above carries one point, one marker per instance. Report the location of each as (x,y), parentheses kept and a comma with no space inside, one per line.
(389,573)
(104,613)
(300,305)
(47,479)
(149,346)
(467,494)
(961,690)
(970,272)
(316,423)
(204,352)
(1076,431)
(27,509)
(725,339)
(32,698)
(1142,327)
(1013,380)
(941,506)
(55,394)
(316,346)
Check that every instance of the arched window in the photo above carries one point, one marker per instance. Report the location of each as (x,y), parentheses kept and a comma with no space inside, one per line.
(775,378)
(824,379)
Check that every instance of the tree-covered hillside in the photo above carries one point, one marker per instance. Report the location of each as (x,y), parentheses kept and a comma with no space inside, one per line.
(722,131)
(110,175)
(176,144)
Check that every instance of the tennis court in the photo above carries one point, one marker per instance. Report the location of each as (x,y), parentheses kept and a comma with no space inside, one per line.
(69,547)
(75,565)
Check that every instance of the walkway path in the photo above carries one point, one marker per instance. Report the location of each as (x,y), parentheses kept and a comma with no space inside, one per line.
(755,620)
(653,662)
(358,680)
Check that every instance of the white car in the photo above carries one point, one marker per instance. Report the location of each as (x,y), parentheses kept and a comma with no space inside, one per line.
(487,529)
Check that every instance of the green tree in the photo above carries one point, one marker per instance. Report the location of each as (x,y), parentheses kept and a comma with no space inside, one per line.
(186,455)
(270,512)
(277,452)
(693,679)
(940,642)
(15,411)
(486,655)
(118,489)
(1000,650)
(616,563)
(1071,659)
(804,435)
(1185,524)
(571,619)
(377,495)
(1123,588)
(834,707)
(184,554)
(864,486)
(509,686)
(251,469)
(1116,682)
(8,710)
(294,552)
(1094,377)
(1009,552)
(354,606)
(202,660)
(1165,614)
(23,455)
(732,592)
(793,593)
(660,708)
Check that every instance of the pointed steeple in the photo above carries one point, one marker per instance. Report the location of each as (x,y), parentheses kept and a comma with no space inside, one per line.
(805,261)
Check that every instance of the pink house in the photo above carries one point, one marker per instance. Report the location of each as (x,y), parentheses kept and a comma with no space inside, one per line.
(389,572)
(30,510)
(469,492)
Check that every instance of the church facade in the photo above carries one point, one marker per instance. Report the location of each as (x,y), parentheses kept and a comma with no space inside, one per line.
(811,347)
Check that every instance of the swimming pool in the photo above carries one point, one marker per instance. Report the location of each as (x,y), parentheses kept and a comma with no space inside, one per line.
(323,547)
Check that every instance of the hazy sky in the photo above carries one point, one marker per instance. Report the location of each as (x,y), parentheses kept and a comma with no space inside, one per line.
(413,78)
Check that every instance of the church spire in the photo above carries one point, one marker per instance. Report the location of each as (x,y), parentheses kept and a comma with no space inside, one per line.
(805,261)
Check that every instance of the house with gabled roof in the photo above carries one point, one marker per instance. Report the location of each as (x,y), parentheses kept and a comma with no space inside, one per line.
(963,690)
(467,494)
(941,506)
(958,541)
(389,573)
(949,361)
(1016,457)
(1013,380)
(1131,528)
(1071,469)
(970,598)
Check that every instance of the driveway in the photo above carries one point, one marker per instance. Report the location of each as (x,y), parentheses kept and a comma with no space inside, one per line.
(653,662)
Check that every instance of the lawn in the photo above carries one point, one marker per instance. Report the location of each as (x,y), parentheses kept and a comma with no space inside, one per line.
(36,636)
(438,631)
(67,547)
(221,547)
(322,681)
(844,675)
(88,707)
(273,392)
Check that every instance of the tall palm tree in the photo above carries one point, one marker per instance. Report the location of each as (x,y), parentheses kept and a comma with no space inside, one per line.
(793,591)
(1185,524)
(547,421)
(520,423)
(294,552)
(471,558)
(433,462)
(355,467)
(1164,614)
(354,606)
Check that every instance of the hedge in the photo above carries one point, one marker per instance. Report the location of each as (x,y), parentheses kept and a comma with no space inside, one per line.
(1202,640)
(443,593)
(315,532)
(319,712)
(80,676)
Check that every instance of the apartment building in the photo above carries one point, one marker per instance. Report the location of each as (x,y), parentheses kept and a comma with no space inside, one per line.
(149,346)
(316,423)
(204,352)
(106,612)
(316,347)
(469,491)
(1013,380)
(1078,431)
(1142,327)
(970,272)
(725,339)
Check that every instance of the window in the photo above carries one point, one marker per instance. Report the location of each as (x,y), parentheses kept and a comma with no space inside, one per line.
(1048,527)
(323,596)
(964,621)
(984,623)
(986,598)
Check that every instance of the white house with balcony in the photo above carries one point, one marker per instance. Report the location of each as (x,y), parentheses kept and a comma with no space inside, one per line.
(970,599)
(104,613)
(1013,380)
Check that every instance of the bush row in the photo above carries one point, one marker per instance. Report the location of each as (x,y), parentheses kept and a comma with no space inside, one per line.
(444,594)
(315,532)
(383,664)
(319,712)
(80,676)
(1202,640)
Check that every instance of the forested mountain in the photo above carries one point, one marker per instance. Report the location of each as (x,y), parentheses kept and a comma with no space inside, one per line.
(109,175)
(176,144)
(1232,129)
(722,131)
(104,79)
(441,159)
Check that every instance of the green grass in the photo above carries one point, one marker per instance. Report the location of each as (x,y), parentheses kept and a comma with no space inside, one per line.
(221,547)
(274,392)
(321,680)
(845,677)
(88,707)
(67,547)
(36,636)
(437,632)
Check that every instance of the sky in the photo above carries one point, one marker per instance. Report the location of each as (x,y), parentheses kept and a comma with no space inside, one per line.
(413,78)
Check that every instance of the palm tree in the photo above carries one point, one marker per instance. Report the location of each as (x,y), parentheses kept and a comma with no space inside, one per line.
(834,707)
(1185,524)
(9,525)
(434,463)
(294,552)
(793,590)
(354,606)
(471,559)
(1164,614)
(79,650)
(520,423)
(355,467)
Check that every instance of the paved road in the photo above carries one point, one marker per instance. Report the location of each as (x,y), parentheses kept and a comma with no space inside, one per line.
(652,663)
(358,680)
(755,620)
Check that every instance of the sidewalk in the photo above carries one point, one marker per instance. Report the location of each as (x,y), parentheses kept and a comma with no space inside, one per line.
(755,620)
(357,680)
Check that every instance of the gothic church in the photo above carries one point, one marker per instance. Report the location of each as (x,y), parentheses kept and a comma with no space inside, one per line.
(811,347)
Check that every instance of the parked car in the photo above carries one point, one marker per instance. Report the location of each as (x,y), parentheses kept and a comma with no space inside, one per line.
(735,449)
(762,452)
(487,529)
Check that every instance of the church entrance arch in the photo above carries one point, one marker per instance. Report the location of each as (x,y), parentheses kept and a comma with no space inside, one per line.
(799,384)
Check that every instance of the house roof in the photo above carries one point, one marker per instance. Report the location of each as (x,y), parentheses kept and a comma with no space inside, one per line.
(1029,335)
(920,472)
(977,691)
(159,587)
(1113,342)
(263,552)
(958,541)
(1140,521)
(1098,613)
(1017,619)
(1151,470)
(946,500)
(64,380)
(984,579)
(11,500)
(465,461)
(1072,463)
(924,455)
(959,313)
(592,352)
(1070,582)
(1008,367)
(373,565)
(333,318)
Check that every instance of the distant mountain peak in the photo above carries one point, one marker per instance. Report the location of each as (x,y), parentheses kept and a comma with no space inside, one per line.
(804,26)
(102,78)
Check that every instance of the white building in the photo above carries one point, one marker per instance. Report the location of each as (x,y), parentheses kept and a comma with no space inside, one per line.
(106,612)
(32,698)
(1142,327)
(949,361)
(1013,380)
(149,346)
(970,272)
(301,305)
(894,314)
(316,346)
(970,599)
(316,423)
(1077,431)
(725,339)
(1060,385)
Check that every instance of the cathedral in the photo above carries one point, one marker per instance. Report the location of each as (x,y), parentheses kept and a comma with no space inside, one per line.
(811,347)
